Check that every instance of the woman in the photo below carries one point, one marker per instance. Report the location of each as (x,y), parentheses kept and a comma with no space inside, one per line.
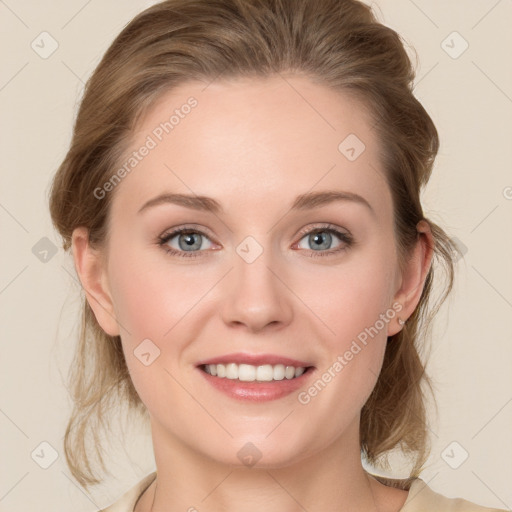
(241,197)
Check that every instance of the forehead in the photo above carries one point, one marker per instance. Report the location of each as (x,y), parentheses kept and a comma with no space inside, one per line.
(259,139)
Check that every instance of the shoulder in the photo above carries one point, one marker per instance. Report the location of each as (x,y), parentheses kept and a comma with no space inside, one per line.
(127,501)
(421,498)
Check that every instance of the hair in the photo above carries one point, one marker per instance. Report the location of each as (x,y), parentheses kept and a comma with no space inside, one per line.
(335,43)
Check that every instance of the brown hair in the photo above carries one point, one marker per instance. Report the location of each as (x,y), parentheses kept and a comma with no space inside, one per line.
(336,43)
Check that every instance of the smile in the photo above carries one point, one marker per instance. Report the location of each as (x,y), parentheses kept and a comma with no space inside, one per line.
(251,373)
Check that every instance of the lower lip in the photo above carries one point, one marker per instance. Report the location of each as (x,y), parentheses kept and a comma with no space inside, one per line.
(257,391)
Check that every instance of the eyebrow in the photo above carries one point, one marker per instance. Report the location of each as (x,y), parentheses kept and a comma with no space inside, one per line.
(306,201)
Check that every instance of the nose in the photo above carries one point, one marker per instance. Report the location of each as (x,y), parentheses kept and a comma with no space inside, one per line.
(255,297)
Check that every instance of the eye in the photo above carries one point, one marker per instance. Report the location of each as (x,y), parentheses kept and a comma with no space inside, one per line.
(190,242)
(325,241)
(185,240)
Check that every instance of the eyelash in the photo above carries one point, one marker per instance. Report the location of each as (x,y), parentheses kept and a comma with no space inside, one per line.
(345,238)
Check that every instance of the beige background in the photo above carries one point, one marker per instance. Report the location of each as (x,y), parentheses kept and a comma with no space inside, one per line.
(470,100)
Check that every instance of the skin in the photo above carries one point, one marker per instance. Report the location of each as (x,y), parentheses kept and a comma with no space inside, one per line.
(254,146)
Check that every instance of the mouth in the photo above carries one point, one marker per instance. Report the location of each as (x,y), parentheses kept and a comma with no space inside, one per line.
(256,378)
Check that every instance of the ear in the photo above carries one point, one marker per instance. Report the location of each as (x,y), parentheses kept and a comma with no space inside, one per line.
(90,266)
(412,279)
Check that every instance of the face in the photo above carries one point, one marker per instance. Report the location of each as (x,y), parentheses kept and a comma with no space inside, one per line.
(288,253)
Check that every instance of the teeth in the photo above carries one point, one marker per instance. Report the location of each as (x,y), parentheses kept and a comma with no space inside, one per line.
(289,372)
(247,372)
(250,373)
(299,371)
(232,371)
(265,373)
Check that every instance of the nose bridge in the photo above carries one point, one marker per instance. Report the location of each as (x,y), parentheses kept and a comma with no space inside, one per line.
(256,297)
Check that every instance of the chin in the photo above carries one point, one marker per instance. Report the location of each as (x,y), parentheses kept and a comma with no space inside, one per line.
(261,452)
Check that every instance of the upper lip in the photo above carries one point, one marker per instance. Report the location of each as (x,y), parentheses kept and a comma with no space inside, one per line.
(255,360)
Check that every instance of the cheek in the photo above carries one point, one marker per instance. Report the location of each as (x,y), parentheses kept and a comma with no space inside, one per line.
(152,296)
(353,354)
(159,301)
(153,301)
(350,299)
(354,304)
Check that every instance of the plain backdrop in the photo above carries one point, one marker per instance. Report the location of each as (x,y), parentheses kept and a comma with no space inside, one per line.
(464,80)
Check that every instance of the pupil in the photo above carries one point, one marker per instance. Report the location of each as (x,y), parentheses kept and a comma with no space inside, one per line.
(322,240)
(189,241)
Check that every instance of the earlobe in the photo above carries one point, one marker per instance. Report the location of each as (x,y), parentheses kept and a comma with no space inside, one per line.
(414,276)
(91,271)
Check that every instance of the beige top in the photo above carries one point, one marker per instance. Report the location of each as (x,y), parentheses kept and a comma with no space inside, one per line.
(421,497)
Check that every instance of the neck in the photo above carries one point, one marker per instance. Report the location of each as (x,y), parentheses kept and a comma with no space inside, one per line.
(332,479)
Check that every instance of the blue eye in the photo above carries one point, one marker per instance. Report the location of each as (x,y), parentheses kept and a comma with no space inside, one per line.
(325,241)
(184,240)
(189,242)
